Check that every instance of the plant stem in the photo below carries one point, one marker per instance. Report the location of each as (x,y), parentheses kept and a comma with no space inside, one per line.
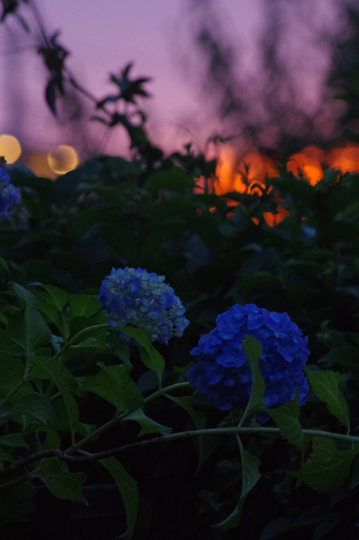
(123,415)
(79,334)
(64,456)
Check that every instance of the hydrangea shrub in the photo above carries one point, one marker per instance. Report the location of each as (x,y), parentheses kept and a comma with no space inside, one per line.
(222,372)
(141,299)
(8,194)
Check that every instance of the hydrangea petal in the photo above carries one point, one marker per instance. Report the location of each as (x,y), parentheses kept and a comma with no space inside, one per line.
(136,298)
(284,355)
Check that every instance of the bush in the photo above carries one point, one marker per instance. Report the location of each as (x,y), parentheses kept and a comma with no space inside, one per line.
(65,374)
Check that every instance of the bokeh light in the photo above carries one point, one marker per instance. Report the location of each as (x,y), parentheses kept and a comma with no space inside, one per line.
(10,148)
(63,159)
(246,172)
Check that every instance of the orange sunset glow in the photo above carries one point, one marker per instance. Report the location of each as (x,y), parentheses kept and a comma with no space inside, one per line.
(246,173)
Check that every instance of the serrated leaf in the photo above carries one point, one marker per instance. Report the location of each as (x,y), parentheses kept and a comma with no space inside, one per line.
(253,350)
(89,343)
(11,373)
(119,348)
(13,440)
(151,358)
(114,384)
(327,468)
(147,424)
(250,472)
(128,490)
(83,305)
(58,297)
(51,311)
(52,440)
(27,328)
(48,368)
(326,387)
(287,419)
(233,519)
(39,407)
(63,484)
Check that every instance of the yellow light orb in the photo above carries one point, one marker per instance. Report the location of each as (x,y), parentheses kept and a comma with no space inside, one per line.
(10,148)
(63,159)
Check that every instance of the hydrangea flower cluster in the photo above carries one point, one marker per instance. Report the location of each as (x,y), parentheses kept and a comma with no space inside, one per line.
(136,298)
(8,194)
(222,372)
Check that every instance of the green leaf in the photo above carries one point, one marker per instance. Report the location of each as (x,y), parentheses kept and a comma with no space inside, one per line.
(27,328)
(63,484)
(84,305)
(5,456)
(204,444)
(48,368)
(287,419)
(151,358)
(253,350)
(4,265)
(234,518)
(11,373)
(52,440)
(147,424)
(250,472)
(327,468)
(14,440)
(320,514)
(8,347)
(51,311)
(39,407)
(118,348)
(58,297)
(250,476)
(114,384)
(276,527)
(128,490)
(326,387)
(89,343)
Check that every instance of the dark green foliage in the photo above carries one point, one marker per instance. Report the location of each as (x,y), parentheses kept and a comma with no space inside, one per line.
(111,212)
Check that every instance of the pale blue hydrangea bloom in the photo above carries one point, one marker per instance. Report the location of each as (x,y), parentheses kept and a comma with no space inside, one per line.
(8,194)
(139,299)
(222,372)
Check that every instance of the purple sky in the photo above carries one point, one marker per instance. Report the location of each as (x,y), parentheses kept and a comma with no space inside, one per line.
(104,36)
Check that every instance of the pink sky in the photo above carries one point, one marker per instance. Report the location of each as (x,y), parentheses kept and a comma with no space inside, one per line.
(102,37)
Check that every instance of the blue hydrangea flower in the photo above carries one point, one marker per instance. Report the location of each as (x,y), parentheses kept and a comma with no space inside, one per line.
(136,298)
(222,372)
(8,194)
